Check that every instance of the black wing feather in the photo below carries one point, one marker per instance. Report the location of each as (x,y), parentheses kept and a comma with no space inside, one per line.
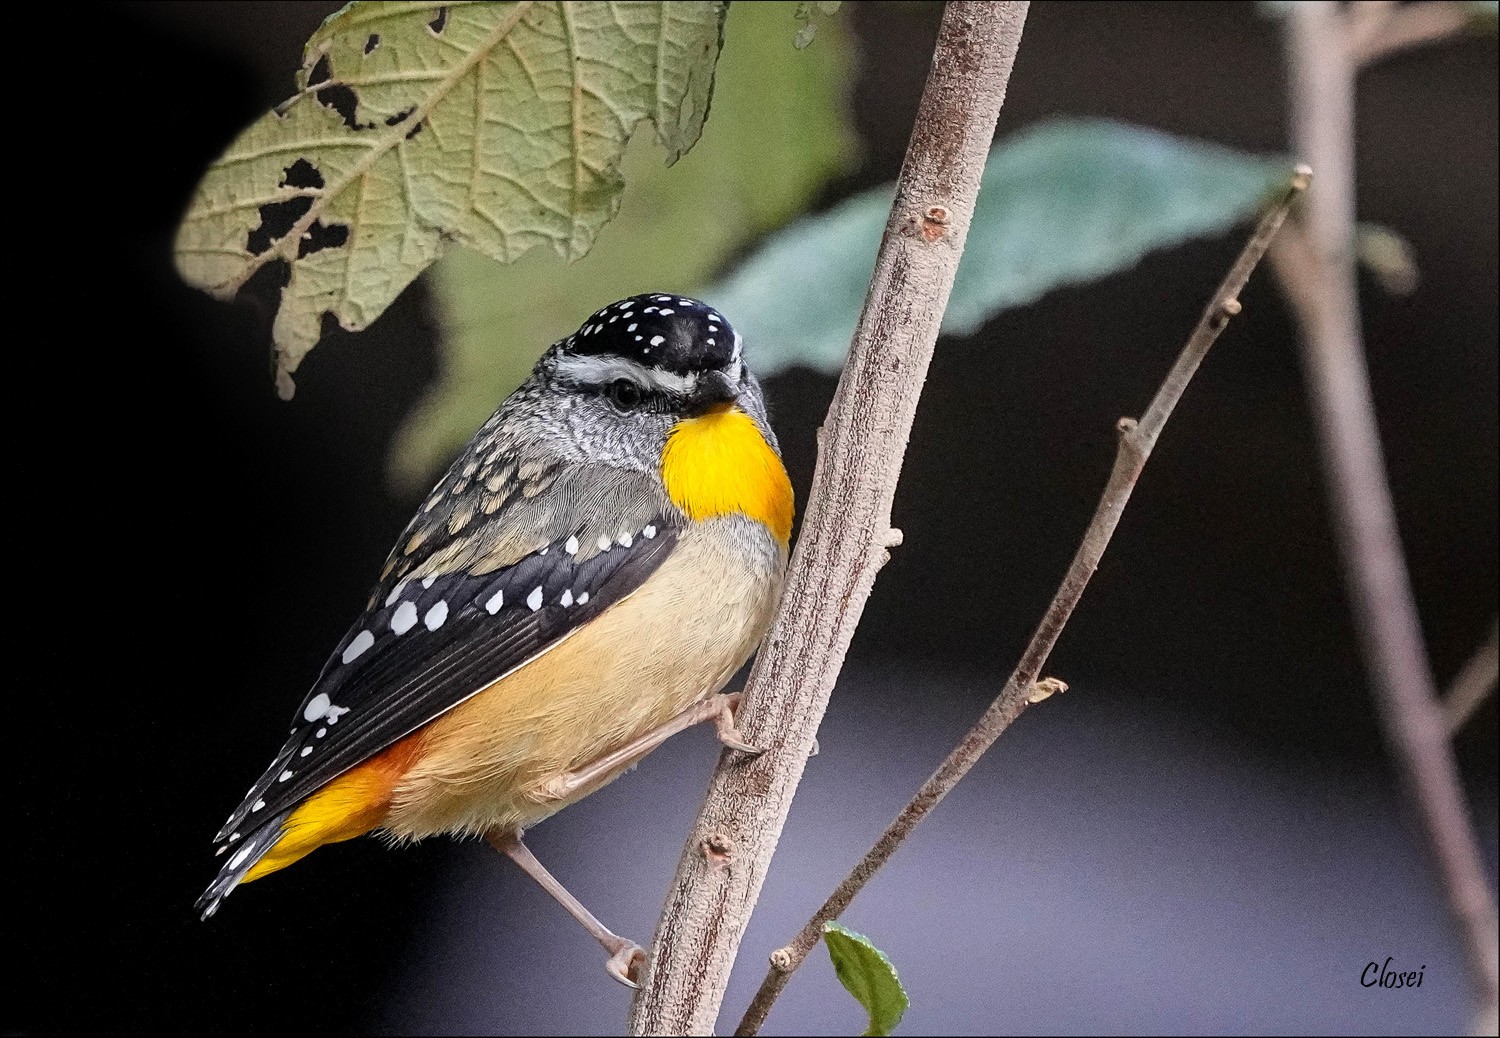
(401,681)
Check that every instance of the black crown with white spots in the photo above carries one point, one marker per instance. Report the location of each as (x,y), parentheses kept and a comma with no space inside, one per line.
(677,334)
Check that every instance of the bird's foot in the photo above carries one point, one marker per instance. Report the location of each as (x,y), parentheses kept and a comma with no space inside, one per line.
(625,964)
(729,735)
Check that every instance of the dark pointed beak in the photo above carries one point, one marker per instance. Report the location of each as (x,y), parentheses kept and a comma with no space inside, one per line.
(714,389)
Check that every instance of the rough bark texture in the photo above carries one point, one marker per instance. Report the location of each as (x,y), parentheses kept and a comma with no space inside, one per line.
(846,532)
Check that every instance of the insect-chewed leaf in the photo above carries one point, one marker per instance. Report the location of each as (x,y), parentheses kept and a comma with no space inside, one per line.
(779,132)
(499,126)
(1065,202)
(867,973)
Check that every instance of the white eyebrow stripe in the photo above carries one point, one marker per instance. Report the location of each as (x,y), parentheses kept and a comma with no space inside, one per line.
(599,370)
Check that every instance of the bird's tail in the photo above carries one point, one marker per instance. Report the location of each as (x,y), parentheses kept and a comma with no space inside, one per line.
(244,855)
(349,806)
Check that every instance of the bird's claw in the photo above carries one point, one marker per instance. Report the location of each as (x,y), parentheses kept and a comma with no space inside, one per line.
(625,964)
(728,734)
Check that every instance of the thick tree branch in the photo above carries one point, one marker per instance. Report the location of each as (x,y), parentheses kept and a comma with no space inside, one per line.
(846,532)
(1474,683)
(1136,441)
(1326,302)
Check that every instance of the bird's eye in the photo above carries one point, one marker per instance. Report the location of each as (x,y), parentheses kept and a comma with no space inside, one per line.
(624,394)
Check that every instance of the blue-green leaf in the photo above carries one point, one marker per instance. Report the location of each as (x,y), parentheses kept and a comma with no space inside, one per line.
(867,974)
(1065,202)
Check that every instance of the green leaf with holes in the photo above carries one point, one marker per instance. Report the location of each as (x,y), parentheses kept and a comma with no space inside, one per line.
(418,126)
(1065,202)
(867,974)
(779,131)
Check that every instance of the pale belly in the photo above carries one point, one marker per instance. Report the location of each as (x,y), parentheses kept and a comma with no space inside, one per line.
(486,763)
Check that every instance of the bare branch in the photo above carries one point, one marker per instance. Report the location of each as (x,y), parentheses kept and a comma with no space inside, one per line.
(847,529)
(1377,30)
(1474,683)
(1136,441)
(1325,299)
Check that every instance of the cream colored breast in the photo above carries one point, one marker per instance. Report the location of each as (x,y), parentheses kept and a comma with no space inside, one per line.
(678,638)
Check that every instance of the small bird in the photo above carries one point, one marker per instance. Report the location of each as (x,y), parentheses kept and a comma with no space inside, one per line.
(599,561)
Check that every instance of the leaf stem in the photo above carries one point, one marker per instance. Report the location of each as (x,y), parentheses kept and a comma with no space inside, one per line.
(1136,441)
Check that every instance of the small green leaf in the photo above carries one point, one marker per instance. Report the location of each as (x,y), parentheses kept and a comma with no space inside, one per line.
(806,13)
(496,126)
(779,131)
(867,974)
(1065,202)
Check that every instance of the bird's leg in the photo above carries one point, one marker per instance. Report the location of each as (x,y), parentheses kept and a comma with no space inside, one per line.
(716,708)
(625,956)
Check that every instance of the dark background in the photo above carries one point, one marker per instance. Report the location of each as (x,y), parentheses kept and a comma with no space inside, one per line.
(1202,835)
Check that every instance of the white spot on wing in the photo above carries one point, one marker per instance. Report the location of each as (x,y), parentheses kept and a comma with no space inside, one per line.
(657,340)
(427,581)
(318,707)
(395,593)
(405,618)
(583,598)
(436,615)
(604,543)
(335,712)
(362,641)
(258,805)
(496,601)
(321,732)
(625,540)
(284,776)
(572,546)
(567,597)
(305,751)
(534,600)
(649,532)
(240,856)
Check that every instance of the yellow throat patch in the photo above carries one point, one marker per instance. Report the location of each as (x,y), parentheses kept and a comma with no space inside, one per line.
(720,464)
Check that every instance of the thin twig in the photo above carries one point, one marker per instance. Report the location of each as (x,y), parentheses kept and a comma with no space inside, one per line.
(1378,30)
(1326,303)
(1474,683)
(1136,441)
(846,534)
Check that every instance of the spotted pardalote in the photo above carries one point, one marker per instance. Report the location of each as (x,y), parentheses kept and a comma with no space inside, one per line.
(593,568)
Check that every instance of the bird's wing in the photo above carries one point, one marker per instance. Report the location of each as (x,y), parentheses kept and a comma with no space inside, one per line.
(472,592)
